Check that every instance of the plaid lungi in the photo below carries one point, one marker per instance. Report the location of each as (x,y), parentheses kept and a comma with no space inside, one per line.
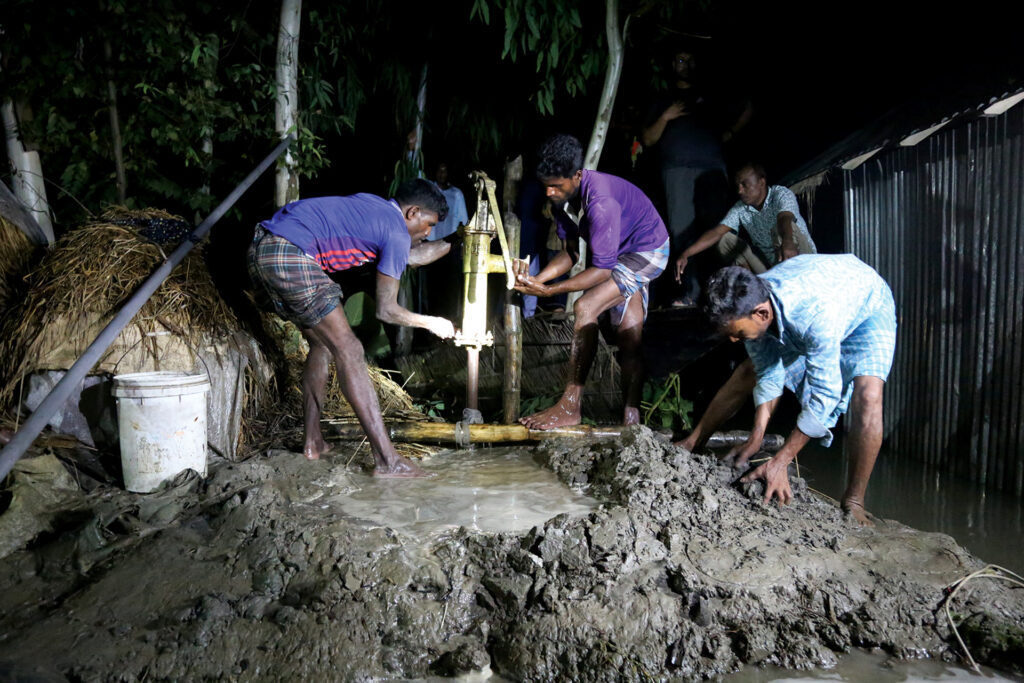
(867,351)
(633,274)
(290,280)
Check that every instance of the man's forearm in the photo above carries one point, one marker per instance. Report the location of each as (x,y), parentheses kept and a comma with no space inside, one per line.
(428,252)
(558,266)
(706,241)
(590,277)
(762,416)
(793,445)
(398,315)
(653,133)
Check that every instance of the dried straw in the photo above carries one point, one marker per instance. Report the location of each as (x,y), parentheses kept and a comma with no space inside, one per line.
(86,277)
(16,252)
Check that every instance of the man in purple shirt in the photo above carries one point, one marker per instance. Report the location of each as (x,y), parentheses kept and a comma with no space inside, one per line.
(289,259)
(628,246)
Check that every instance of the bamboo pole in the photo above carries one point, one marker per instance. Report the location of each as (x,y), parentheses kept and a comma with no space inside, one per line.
(457,433)
(446,432)
(513,300)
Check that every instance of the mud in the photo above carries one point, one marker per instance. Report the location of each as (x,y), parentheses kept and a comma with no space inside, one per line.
(264,571)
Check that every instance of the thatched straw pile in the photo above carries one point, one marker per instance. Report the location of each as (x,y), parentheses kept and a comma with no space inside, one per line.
(82,282)
(16,252)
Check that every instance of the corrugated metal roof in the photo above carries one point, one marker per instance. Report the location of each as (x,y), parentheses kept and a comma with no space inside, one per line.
(917,119)
(943,222)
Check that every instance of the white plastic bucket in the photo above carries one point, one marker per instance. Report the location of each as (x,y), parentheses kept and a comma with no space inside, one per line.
(162,424)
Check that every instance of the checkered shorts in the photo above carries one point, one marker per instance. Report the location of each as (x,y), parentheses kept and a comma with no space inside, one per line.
(867,351)
(290,280)
(633,274)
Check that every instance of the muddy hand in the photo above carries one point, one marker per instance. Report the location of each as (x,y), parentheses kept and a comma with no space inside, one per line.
(776,478)
(741,454)
(521,267)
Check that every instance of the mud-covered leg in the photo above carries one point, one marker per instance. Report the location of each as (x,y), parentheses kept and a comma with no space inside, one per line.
(724,405)
(334,333)
(584,347)
(865,440)
(631,360)
(314,389)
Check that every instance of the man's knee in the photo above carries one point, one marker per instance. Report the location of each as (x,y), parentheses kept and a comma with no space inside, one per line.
(729,246)
(868,390)
(584,311)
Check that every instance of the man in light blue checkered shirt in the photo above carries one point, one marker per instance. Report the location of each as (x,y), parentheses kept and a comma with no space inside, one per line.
(825,328)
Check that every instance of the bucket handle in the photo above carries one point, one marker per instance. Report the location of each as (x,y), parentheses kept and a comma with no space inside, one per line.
(164,333)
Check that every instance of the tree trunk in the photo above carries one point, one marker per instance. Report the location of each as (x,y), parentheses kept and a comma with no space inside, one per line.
(513,299)
(611,84)
(27,172)
(604,117)
(115,125)
(286,110)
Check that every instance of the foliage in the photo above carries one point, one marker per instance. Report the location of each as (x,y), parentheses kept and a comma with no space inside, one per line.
(567,50)
(195,88)
(361,312)
(432,407)
(663,407)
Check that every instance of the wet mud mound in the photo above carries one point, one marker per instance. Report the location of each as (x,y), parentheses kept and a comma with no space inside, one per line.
(251,575)
(685,575)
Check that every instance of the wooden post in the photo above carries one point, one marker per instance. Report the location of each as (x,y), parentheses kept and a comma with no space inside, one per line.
(513,300)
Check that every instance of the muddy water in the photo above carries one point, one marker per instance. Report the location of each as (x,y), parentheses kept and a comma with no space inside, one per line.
(866,666)
(988,523)
(919,496)
(488,490)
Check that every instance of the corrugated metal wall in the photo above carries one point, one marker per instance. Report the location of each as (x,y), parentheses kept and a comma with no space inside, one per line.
(943,222)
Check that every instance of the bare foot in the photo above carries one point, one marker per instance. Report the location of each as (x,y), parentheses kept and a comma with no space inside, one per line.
(316,448)
(558,415)
(631,416)
(5,436)
(855,509)
(402,468)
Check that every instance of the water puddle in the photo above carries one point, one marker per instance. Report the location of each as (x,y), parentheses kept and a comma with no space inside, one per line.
(984,521)
(487,490)
(869,666)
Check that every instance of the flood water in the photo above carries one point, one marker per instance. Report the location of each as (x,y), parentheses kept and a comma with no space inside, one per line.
(988,523)
(489,490)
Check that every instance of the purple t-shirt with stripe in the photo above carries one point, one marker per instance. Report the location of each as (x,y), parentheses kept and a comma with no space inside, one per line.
(345,232)
(618,218)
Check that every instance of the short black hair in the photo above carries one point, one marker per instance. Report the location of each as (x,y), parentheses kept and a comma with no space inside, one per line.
(424,194)
(559,157)
(732,293)
(754,166)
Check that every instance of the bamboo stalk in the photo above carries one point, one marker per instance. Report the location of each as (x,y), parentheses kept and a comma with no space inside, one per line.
(513,312)
(446,432)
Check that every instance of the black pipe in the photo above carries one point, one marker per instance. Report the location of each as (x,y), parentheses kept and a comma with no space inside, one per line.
(38,420)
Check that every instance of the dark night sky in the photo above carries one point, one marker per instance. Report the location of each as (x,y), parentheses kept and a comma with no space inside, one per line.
(814,71)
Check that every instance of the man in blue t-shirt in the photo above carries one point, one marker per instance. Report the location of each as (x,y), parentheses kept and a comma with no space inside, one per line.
(629,247)
(289,259)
